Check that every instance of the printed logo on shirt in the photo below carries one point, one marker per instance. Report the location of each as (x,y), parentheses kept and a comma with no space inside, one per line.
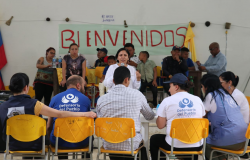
(70,98)
(14,111)
(185,102)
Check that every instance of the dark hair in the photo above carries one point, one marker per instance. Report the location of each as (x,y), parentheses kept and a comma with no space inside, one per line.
(229,76)
(129,45)
(121,49)
(212,83)
(111,57)
(145,52)
(49,49)
(120,74)
(18,81)
(184,49)
(73,44)
(74,80)
(185,86)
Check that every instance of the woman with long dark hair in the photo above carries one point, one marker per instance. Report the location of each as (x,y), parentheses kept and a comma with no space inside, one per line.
(228,127)
(229,82)
(122,57)
(43,83)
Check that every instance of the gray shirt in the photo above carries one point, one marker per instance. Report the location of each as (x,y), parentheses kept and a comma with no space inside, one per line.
(124,102)
(216,65)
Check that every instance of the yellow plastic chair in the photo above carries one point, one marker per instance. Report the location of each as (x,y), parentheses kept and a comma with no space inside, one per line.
(116,130)
(26,128)
(248,99)
(187,130)
(236,153)
(98,76)
(73,130)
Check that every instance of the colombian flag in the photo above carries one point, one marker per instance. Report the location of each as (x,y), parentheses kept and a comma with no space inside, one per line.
(3,61)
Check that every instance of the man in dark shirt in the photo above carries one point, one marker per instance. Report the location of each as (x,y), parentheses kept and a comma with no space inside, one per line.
(172,65)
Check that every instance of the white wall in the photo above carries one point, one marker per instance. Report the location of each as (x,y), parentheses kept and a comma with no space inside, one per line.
(25,40)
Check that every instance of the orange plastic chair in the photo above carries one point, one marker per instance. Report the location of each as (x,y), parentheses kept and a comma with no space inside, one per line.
(73,130)
(187,130)
(236,153)
(98,76)
(26,128)
(248,99)
(115,130)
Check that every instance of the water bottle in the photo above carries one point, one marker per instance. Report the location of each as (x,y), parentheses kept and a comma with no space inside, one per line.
(54,62)
(59,62)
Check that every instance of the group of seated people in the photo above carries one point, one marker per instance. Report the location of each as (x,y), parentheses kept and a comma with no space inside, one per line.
(224,105)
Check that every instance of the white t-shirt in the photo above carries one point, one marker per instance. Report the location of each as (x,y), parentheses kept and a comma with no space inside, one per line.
(238,96)
(108,81)
(181,105)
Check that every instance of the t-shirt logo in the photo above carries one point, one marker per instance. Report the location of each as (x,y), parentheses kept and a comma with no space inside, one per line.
(185,102)
(70,98)
(14,111)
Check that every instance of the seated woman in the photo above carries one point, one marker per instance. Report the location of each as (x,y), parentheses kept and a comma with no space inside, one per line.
(122,57)
(229,82)
(228,127)
(72,64)
(21,103)
(170,109)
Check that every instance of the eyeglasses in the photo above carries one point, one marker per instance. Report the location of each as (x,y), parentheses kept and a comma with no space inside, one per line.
(52,52)
(212,49)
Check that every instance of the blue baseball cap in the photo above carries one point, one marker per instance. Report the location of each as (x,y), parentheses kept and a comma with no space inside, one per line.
(176,48)
(102,49)
(178,78)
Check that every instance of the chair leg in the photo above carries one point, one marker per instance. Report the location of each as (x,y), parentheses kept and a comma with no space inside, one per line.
(159,153)
(192,157)
(104,156)
(11,156)
(52,156)
(5,156)
(211,155)
(91,158)
(85,155)
(97,157)
(46,156)
(140,155)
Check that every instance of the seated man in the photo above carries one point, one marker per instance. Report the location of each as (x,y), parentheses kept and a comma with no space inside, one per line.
(124,102)
(172,65)
(72,100)
(111,60)
(133,60)
(102,57)
(148,71)
(216,63)
(184,55)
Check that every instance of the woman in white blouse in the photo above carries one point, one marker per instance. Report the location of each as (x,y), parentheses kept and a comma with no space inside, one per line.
(229,82)
(122,57)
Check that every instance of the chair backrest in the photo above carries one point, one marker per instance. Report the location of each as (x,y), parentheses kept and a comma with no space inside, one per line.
(115,130)
(31,92)
(26,128)
(189,130)
(159,71)
(99,71)
(74,129)
(248,132)
(248,99)
(59,75)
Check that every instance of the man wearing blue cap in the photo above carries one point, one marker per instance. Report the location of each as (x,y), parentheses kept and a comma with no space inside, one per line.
(172,65)
(102,57)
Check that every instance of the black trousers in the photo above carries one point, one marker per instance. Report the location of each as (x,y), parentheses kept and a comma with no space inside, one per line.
(144,85)
(43,91)
(158,140)
(143,155)
(166,87)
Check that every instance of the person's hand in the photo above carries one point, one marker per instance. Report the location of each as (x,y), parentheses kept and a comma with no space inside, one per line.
(154,83)
(63,82)
(177,57)
(138,76)
(202,68)
(132,63)
(198,63)
(49,65)
(90,114)
(170,76)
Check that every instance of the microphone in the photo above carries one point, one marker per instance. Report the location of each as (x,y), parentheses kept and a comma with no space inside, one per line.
(122,64)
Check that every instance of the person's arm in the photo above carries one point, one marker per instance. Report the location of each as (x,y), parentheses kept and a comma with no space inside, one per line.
(40,65)
(145,108)
(191,65)
(101,80)
(64,66)
(84,69)
(183,65)
(164,67)
(108,81)
(218,66)
(132,63)
(137,81)
(42,109)
(161,122)
(154,83)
